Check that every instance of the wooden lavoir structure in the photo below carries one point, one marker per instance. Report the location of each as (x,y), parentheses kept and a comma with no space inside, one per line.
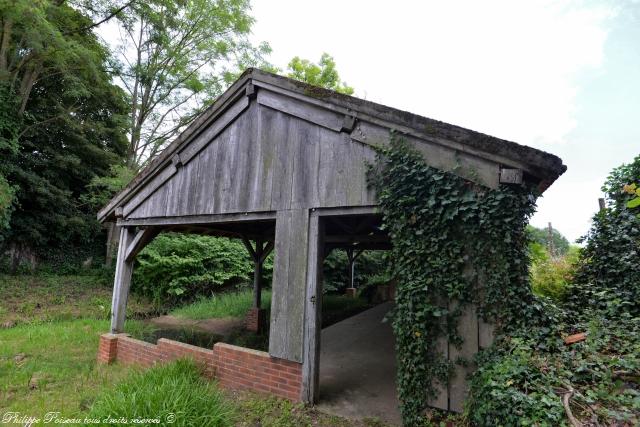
(283,164)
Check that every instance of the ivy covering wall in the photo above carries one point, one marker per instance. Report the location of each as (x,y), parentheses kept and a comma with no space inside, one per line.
(455,243)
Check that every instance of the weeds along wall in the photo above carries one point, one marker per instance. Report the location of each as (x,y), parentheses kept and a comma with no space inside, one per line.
(453,241)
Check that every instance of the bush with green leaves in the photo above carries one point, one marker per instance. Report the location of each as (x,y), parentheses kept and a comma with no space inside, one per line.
(175,393)
(177,268)
(336,269)
(522,378)
(525,376)
(552,276)
(608,274)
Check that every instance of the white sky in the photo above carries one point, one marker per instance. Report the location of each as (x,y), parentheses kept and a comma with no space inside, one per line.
(559,76)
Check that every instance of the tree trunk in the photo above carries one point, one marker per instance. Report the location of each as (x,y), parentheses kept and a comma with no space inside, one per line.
(4,45)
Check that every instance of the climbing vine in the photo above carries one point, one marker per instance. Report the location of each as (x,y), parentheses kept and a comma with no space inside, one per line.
(455,243)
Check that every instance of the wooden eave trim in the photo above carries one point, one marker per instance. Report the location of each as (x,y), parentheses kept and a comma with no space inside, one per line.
(233,94)
(452,145)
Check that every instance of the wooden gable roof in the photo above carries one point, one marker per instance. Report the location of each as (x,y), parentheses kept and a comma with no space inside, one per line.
(474,155)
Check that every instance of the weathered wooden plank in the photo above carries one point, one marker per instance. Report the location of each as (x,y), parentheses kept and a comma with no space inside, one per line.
(262,167)
(297,277)
(199,219)
(368,192)
(221,166)
(313,311)
(341,168)
(468,330)
(283,129)
(205,186)
(303,110)
(141,239)
(486,333)
(288,290)
(306,156)
(191,190)
(246,152)
(121,281)
(279,328)
(172,190)
(355,176)
(228,198)
(327,182)
(149,189)
(213,130)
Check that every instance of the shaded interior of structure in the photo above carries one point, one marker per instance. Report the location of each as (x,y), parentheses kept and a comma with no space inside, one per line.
(351,233)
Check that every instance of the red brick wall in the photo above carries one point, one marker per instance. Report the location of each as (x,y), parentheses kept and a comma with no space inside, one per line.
(234,367)
(242,368)
(256,320)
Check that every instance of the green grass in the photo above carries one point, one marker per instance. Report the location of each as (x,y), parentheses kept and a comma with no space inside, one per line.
(51,367)
(56,371)
(46,298)
(231,304)
(175,394)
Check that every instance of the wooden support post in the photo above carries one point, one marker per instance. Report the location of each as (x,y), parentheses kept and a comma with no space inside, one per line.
(350,272)
(352,255)
(258,255)
(313,311)
(122,281)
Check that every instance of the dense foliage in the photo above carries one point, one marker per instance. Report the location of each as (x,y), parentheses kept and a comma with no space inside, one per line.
(552,276)
(453,241)
(523,378)
(609,272)
(532,377)
(178,267)
(62,125)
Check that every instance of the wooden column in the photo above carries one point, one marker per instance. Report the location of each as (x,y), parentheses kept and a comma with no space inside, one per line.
(352,255)
(258,255)
(313,311)
(122,281)
(288,289)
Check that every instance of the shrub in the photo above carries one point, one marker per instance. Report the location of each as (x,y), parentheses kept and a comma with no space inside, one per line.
(175,389)
(336,269)
(551,277)
(176,267)
(608,274)
(521,379)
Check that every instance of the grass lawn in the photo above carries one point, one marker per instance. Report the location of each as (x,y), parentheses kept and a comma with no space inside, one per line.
(51,367)
(45,298)
(48,359)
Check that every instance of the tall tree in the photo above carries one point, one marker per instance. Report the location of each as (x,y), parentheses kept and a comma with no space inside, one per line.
(323,74)
(62,123)
(174,59)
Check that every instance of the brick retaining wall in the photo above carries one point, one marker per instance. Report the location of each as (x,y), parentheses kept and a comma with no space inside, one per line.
(233,367)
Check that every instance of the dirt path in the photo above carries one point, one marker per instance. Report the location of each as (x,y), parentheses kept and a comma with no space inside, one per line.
(222,327)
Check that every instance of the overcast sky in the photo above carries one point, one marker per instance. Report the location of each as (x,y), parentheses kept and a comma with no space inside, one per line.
(560,76)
